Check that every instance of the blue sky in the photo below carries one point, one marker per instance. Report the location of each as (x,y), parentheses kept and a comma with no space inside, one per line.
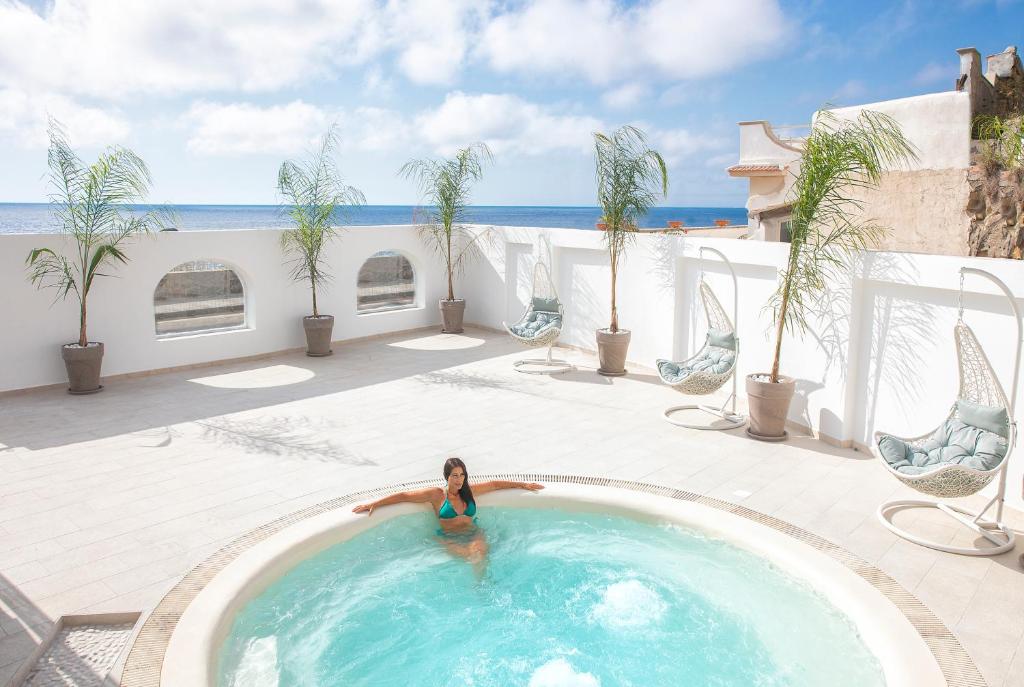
(215,95)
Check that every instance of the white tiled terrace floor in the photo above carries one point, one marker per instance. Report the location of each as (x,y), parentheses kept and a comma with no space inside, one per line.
(106,500)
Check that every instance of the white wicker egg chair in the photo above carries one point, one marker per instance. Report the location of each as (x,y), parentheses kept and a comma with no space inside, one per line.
(713,365)
(540,325)
(978,386)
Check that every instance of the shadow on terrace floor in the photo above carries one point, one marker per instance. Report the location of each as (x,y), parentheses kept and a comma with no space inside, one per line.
(49,418)
(24,627)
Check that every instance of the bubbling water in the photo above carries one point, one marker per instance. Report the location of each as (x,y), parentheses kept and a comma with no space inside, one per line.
(567,600)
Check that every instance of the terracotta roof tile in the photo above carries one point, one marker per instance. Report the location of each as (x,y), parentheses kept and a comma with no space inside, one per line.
(758,170)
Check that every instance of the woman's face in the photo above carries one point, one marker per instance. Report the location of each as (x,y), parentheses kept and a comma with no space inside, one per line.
(456,479)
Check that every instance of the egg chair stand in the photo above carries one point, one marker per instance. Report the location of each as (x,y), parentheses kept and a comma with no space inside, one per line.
(540,325)
(683,376)
(978,385)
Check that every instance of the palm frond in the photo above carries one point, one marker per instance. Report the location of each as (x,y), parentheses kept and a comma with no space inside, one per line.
(92,205)
(314,194)
(841,158)
(445,187)
(631,179)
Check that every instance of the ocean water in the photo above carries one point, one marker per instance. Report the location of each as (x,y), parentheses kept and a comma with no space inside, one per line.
(566,600)
(32,218)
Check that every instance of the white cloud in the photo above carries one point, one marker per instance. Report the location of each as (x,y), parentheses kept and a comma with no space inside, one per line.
(288,129)
(676,145)
(851,90)
(506,123)
(431,37)
(219,129)
(933,73)
(24,118)
(625,96)
(606,42)
(110,49)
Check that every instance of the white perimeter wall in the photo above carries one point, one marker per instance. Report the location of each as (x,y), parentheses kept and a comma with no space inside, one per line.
(880,355)
(121,307)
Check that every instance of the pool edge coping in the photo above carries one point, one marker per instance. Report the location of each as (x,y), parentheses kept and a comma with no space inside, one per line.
(144,663)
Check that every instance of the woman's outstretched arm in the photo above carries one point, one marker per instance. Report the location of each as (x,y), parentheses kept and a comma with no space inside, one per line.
(498,484)
(428,495)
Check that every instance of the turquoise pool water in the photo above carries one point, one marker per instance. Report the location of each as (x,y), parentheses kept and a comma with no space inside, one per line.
(567,600)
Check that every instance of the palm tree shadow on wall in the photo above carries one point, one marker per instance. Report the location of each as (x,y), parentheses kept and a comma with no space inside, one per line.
(883,339)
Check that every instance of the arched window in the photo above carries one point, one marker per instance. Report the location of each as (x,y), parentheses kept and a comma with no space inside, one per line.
(386,282)
(199,296)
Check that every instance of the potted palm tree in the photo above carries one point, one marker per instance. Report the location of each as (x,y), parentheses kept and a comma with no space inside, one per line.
(630,179)
(827,229)
(91,203)
(314,193)
(446,185)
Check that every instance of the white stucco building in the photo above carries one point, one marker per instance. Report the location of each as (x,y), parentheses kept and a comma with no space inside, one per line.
(923,203)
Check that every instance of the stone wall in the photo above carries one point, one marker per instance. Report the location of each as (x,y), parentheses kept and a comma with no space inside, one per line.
(995,212)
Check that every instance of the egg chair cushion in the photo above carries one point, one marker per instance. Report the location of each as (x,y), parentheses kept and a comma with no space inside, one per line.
(712,359)
(536,323)
(990,418)
(953,443)
(722,339)
(549,305)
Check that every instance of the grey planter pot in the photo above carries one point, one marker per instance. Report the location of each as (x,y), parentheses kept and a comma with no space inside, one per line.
(451,315)
(768,407)
(83,366)
(611,351)
(318,335)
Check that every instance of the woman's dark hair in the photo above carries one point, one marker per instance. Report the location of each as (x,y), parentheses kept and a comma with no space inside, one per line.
(465,493)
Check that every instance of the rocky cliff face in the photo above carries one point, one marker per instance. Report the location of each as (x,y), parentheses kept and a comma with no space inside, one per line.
(996,181)
(994,206)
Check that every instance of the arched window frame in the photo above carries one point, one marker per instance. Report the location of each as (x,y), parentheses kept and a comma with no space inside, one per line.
(240,274)
(417,298)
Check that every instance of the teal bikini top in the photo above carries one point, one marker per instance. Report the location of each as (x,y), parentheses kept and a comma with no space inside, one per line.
(447,512)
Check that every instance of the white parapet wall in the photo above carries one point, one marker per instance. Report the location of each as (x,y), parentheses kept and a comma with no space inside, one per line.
(878,355)
(121,313)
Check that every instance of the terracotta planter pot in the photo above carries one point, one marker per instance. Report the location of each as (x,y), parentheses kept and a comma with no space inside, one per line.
(318,335)
(611,351)
(83,366)
(451,315)
(769,406)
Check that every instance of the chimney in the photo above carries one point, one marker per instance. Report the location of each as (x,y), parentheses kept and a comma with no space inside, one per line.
(974,83)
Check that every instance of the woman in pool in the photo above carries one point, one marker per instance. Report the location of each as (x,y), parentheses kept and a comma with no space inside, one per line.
(455,507)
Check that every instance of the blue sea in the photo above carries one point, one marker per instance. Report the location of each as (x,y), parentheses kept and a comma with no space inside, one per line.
(37,218)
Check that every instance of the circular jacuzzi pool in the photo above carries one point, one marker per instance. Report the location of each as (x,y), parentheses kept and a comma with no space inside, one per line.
(584,586)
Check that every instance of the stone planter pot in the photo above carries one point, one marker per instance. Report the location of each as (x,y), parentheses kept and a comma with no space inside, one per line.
(611,351)
(83,366)
(318,335)
(451,315)
(769,406)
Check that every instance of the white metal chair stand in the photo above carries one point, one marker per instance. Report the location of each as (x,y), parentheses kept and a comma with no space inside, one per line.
(713,365)
(540,325)
(979,388)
